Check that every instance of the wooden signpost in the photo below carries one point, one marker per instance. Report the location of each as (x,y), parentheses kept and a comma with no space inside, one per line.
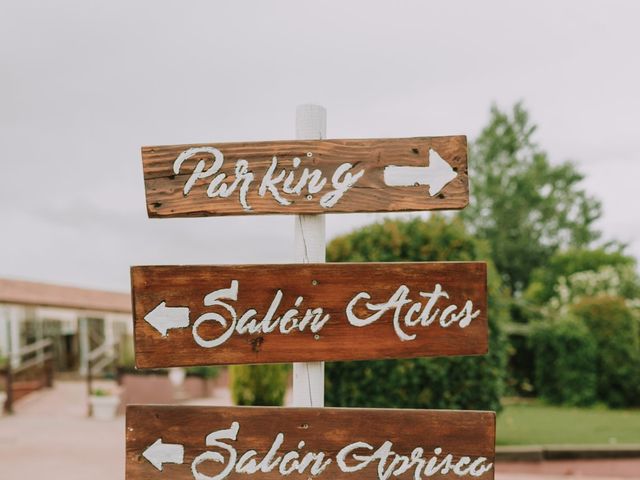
(215,443)
(306,176)
(206,315)
(307,313)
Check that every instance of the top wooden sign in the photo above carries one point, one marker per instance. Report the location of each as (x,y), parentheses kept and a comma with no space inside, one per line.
(309,176)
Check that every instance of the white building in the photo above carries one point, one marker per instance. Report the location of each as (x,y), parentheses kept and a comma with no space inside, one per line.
(77,320)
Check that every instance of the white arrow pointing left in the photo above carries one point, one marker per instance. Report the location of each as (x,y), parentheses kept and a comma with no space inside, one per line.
(163,318)
(160,453)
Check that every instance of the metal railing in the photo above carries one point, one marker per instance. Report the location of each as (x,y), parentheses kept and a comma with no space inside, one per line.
(41,357)
(97,360)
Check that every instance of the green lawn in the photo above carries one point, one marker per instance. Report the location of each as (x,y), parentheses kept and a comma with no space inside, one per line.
(535,424)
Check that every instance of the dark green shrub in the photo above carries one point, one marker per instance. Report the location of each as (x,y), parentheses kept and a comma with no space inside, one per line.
(565,362)
(460,382)
(520,377)
(615,330)
(263,385)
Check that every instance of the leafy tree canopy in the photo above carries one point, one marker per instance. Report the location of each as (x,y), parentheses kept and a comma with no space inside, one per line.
(525,207)
(563,265)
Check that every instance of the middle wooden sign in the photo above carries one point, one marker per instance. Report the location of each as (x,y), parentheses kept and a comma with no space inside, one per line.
(213,315)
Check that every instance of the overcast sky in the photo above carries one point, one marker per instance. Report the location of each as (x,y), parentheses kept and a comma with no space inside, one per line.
(84,84)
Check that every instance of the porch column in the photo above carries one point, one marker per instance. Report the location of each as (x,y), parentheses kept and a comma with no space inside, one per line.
(14,335)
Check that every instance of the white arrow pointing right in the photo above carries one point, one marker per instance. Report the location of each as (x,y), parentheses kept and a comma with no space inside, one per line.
(160,453)
(437,174)
(163,318)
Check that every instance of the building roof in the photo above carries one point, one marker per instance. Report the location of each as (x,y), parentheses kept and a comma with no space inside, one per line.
(49,295)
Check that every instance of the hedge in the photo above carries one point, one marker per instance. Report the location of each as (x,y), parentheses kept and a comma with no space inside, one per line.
(565,362)
(615,330)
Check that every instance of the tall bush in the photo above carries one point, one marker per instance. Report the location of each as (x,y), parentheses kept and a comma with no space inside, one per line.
(614,328)
(546,278)
(565,362)
(264,385)
(453,382)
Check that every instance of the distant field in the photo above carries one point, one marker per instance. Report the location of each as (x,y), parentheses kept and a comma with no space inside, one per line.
(535,424)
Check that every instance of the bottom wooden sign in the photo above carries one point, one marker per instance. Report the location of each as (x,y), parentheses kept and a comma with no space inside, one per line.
(215,443)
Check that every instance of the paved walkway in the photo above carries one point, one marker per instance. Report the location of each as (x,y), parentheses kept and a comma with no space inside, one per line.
(51,437)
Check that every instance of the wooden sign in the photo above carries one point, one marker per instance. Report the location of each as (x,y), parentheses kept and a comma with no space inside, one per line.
(206,315)
(215,443)
(308,176)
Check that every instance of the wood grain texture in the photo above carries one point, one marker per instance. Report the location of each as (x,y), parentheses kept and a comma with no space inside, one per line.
(459,433)
(166,198)
(329,286)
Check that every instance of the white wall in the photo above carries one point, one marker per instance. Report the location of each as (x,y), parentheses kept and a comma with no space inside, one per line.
(11,317)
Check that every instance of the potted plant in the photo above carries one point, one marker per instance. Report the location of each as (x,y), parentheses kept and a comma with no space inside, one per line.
(104,404)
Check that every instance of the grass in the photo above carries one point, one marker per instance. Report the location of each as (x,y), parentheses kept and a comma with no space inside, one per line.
(537,424)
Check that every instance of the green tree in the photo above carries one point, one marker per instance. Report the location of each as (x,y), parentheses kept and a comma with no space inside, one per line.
(452,382)
(545,279)
(525,207)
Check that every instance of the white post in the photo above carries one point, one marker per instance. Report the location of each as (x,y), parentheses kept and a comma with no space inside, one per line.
(39,327)
(83,330)
(14,335)
(4,332)
(109,337)
(309,247)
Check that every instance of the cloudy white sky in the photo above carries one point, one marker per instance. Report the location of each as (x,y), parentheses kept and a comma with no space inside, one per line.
(84,84)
